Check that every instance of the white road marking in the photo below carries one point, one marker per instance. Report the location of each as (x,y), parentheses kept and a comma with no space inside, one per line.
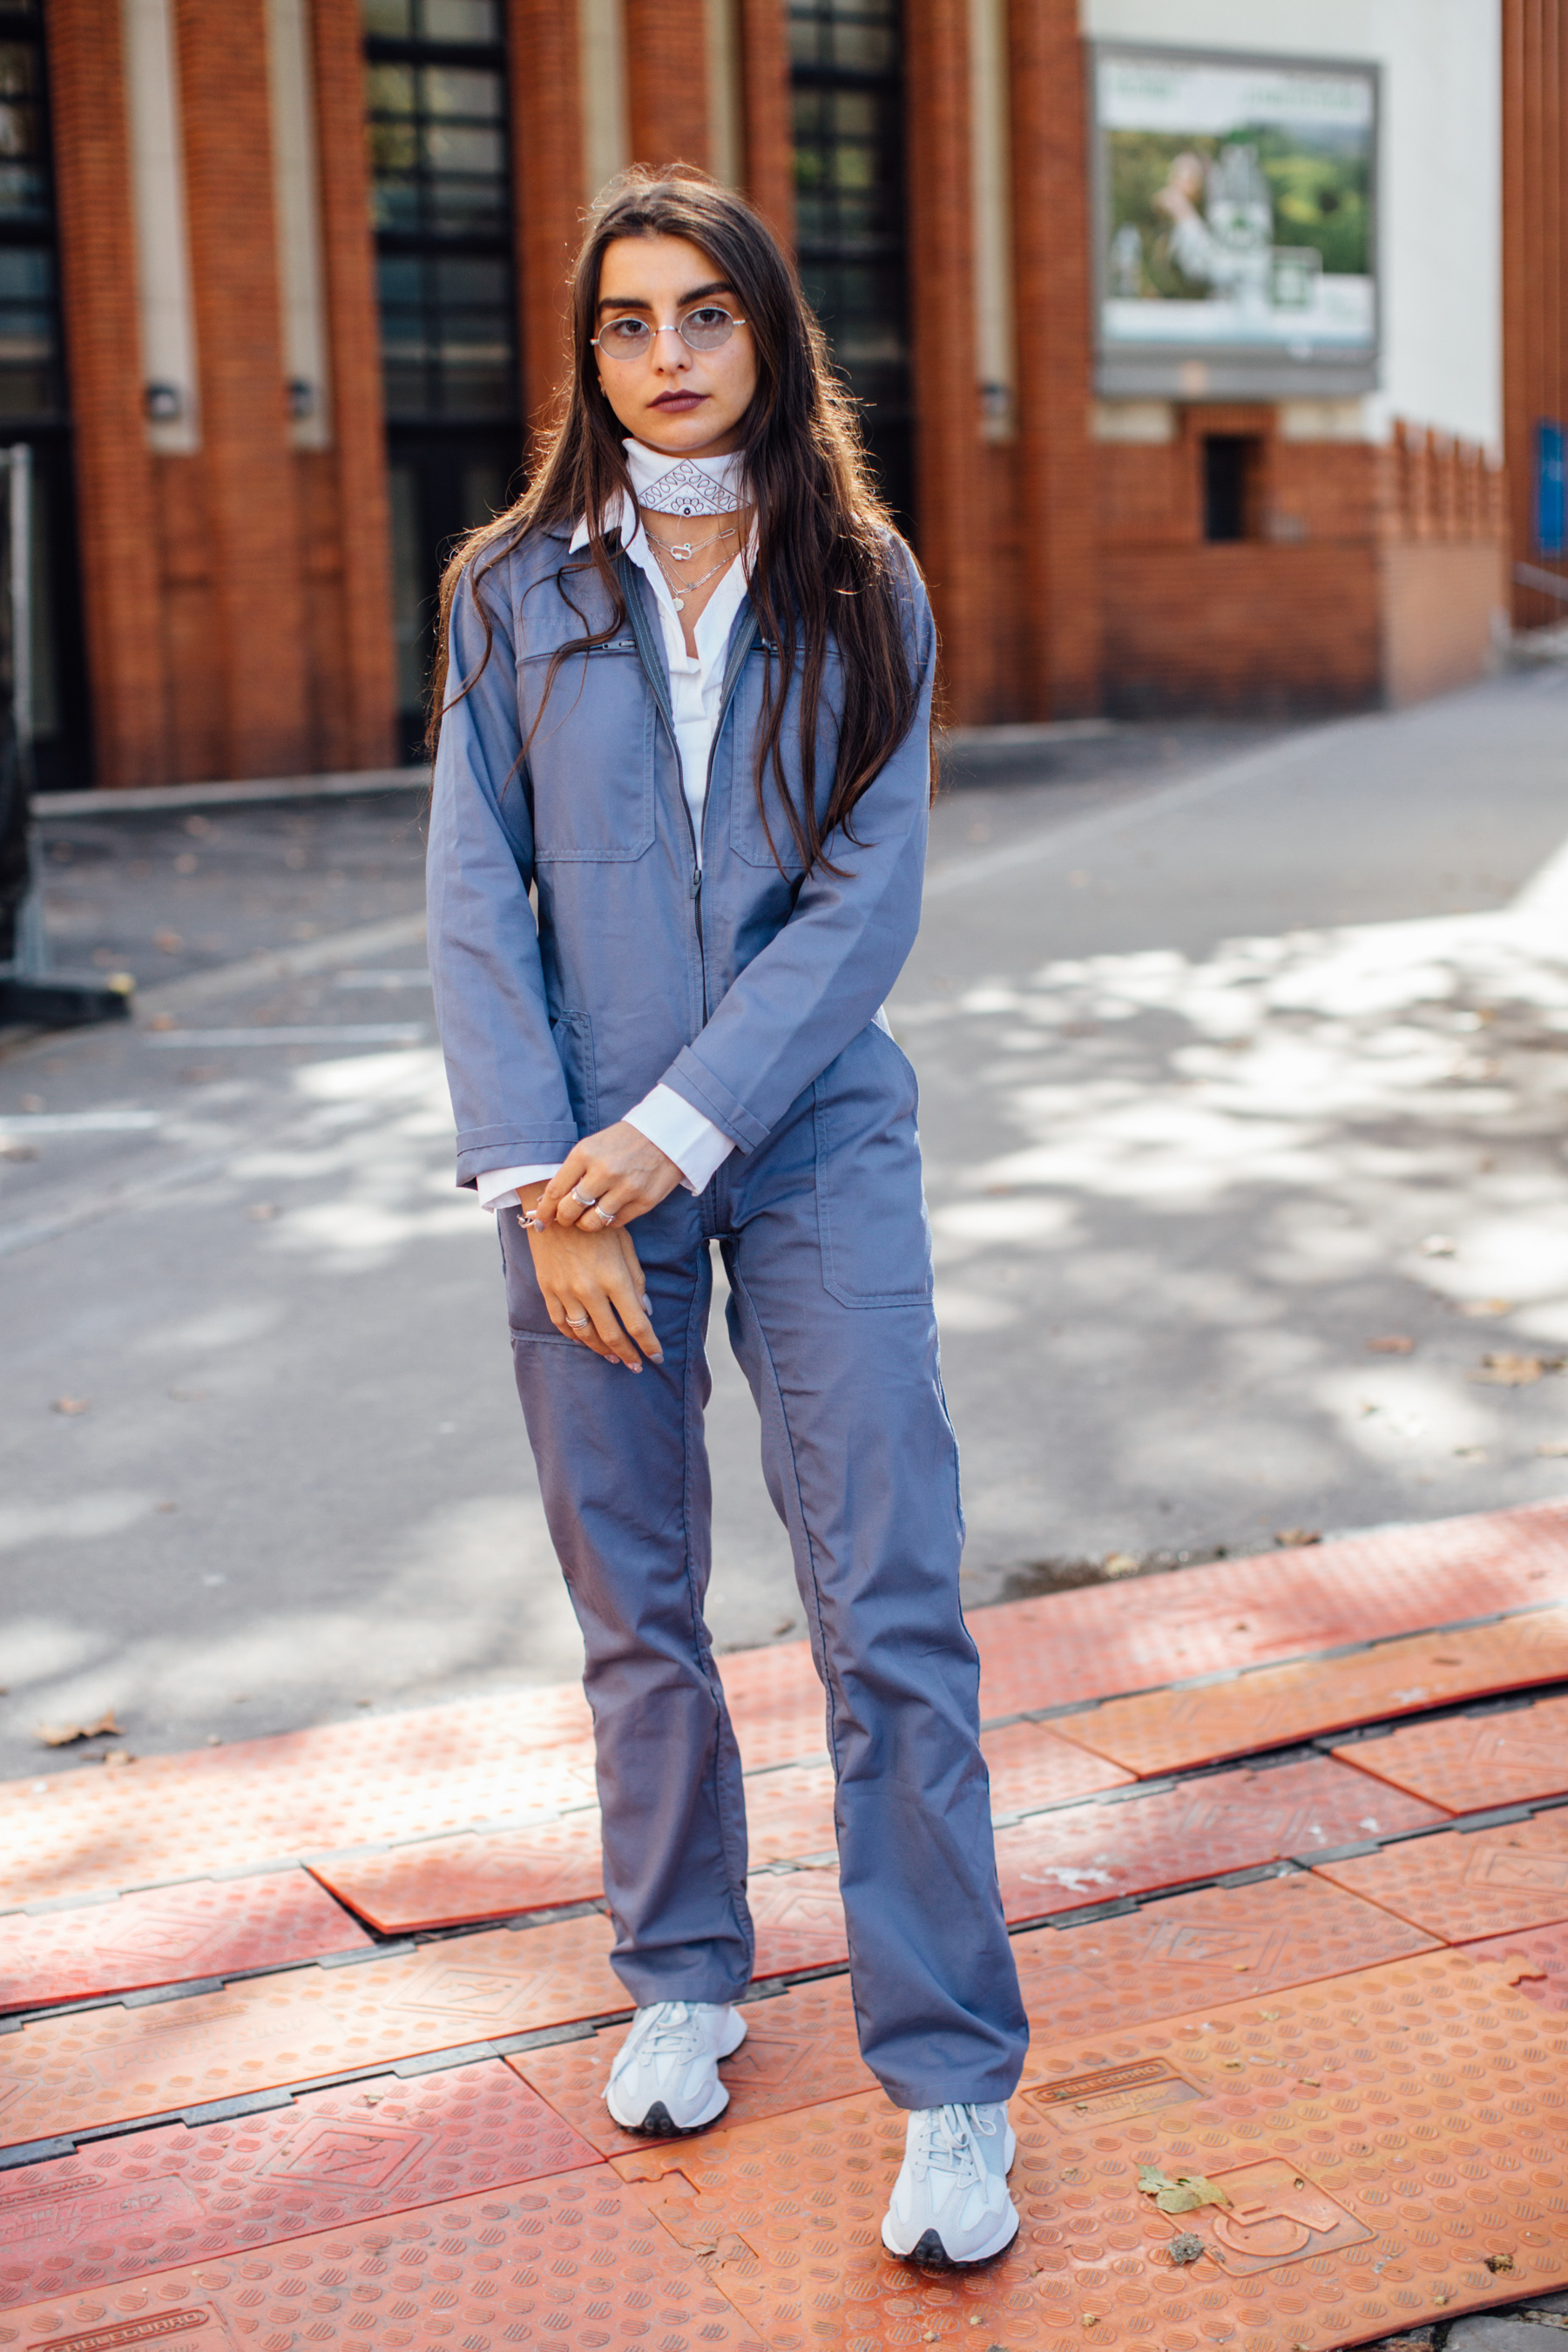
(342,1032)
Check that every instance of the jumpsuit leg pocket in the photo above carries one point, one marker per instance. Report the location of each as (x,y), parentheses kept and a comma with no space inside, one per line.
(870,1205)
(527,1316)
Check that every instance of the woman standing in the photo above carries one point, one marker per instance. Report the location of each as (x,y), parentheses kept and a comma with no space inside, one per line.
(688,702)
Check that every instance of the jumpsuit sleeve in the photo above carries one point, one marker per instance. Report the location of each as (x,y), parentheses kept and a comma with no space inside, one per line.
(508,1090)
(816,984)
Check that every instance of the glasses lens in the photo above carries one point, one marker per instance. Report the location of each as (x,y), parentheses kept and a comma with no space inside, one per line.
(704,330)
(625,339)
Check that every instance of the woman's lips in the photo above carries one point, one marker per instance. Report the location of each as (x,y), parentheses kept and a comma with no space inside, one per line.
(681,400)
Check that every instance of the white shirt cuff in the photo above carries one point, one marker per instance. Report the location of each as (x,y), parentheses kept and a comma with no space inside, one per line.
(697,1146)
(497,1188)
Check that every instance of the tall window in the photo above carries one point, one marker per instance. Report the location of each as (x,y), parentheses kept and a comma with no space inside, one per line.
(441,182)
(850,211)
(33,400)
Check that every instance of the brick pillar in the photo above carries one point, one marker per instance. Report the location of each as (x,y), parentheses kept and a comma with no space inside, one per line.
(769,127)
(667,77)
(256,631)
(358,451)
(548,172)
(949,474)
(1058,472)
(102,332)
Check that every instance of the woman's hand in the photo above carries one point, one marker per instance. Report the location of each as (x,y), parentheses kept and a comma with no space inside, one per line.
(594,1291)
(608,1179)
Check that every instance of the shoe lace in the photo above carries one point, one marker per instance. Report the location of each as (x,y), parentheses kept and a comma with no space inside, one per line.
(668,2029)
(947,2142)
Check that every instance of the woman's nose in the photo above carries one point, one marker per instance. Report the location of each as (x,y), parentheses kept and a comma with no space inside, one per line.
(663,356)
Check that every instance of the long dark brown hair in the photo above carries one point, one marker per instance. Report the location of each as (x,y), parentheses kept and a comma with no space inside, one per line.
(826,565)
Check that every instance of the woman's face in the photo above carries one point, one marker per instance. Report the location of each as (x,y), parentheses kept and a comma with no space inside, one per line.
(669,396)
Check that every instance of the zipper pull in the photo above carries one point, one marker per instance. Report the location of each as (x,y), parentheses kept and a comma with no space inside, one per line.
(697,881)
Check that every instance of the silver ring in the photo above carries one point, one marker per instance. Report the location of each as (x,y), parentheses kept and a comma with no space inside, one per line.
(605,1216)
(579,1322)
(589,1199)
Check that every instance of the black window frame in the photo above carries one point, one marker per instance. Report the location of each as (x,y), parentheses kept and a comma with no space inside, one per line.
(826,260)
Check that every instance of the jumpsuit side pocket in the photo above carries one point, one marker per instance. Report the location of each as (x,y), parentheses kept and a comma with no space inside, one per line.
(870,1202)
(571,1034)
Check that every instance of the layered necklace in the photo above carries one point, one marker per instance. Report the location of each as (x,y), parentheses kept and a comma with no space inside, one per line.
(694,487)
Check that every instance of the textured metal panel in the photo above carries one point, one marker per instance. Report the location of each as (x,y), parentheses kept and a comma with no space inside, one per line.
(308,1792)
(445,1882)
(1030,1766)
(1468,1763)
(121,2208)
(1144,1632)
(1465,1885)
(557,2265)
(1089,1853)
(800,2049)
(1214,1945)
(1172,1730)
(1379,2137)
(1534,1961)
(64,2075)
(199,1930)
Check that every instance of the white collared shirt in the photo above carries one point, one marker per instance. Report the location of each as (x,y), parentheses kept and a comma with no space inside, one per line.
(696,688)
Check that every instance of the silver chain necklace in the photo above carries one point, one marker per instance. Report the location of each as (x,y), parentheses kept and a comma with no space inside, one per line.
(685,548)
(680,589)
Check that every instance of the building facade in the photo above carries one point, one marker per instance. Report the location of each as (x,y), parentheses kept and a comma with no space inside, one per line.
(282,285)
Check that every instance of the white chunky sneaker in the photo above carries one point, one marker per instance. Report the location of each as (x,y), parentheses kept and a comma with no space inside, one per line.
(949,2204)
(665,2078)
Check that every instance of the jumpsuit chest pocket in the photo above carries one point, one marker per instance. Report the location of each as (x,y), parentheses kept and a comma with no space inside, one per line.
(590,760)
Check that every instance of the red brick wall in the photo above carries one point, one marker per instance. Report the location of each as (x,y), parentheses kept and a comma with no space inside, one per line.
(1535,267)
(114,475)
(345,524)
(1060,675)
(254,627)
(548,146)
(765,95)
(667,80)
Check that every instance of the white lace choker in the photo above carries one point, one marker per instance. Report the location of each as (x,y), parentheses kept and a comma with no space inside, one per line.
(691,486)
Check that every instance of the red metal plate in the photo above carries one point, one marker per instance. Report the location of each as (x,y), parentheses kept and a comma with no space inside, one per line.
(1379,2137)
(122,2207)
(1465,1885)
(1172,1730)
(1030,1766)
(440,1769)
(445,1882)
(800,2049)
(1468,1763)
(64,2074)
(1141,1632)
(557,2265)
(1216,1944)
(1534,1961)
(198,1930)
(1084,1854)
(799,1921)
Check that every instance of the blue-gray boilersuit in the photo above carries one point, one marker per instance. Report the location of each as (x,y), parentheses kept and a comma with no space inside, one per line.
(755,995)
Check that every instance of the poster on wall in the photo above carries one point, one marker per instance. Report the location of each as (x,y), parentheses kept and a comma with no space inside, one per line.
(1234,217)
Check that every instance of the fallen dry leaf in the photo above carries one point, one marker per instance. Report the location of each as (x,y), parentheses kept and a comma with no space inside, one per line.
(62,1735)
(116,1756)
(1478,1306)
(1183,2194)
(1295,1538)
(1121,1563)
(1393,1343)
(171,943)
(1496,2263)
(1187,2247)
(162,1020)
(1507,1372)
(69,1405)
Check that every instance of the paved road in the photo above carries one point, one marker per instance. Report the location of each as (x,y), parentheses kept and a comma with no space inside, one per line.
(1218,1031)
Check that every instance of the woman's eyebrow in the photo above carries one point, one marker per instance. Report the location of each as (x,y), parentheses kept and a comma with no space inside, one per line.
(640,301)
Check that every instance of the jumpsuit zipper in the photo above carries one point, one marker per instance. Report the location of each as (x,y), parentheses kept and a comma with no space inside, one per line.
(660,685)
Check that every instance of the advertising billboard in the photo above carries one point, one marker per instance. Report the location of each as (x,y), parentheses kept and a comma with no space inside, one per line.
(1235,224)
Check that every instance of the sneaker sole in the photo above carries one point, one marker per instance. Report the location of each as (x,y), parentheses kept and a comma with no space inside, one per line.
(931,2254)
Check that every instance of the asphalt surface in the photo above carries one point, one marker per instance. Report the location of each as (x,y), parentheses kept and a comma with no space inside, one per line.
(1237,1054)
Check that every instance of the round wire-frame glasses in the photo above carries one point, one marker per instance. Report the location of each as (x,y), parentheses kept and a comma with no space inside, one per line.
(705,327)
